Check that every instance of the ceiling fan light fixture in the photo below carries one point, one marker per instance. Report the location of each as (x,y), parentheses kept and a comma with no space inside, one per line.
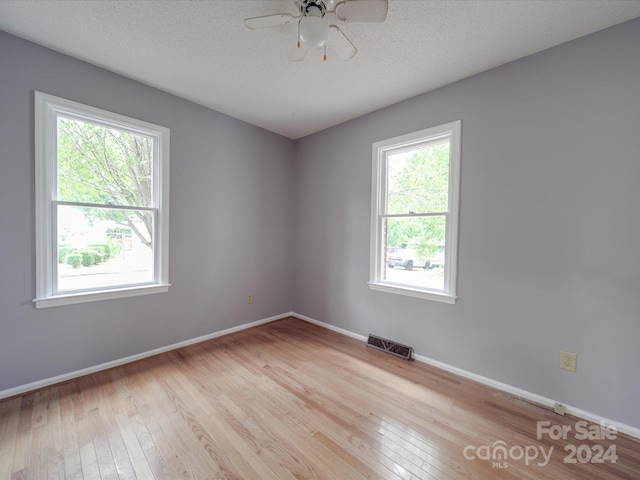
(314,31)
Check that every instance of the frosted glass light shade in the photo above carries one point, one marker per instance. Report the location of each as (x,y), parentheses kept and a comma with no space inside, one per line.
(314,31)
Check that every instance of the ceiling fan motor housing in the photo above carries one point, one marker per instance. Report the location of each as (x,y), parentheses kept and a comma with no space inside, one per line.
(306,6)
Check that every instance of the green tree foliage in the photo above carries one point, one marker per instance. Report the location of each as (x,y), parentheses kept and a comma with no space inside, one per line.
(418,183)
(106,166)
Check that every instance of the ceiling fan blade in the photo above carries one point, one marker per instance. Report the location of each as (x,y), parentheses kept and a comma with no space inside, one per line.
(340,44)
(297,54)
(268,21)
(362,10)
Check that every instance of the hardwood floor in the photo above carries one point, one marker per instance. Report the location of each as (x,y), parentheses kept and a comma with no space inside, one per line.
(289,400)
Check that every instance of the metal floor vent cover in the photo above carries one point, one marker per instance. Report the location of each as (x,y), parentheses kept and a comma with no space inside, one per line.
(390,347)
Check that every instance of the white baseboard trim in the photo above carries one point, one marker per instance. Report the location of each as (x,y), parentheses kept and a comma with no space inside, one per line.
(532,397)
(328,326)
(518,392)
(29,387)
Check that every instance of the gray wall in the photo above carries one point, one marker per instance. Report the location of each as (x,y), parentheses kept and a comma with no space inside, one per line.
(231,224)
(549,252)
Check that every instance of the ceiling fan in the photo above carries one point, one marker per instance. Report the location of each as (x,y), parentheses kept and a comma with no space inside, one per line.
(317,30)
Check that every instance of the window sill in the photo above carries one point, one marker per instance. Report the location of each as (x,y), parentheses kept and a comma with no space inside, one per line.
(413,292)
(84,297)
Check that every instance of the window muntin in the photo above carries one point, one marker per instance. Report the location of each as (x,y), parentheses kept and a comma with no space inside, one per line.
(414,213)
(101,204)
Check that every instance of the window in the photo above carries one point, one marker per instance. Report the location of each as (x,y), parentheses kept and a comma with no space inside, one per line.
(414,225)
(102,204)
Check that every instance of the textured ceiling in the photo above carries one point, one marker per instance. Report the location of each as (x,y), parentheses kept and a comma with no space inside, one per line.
(201,51)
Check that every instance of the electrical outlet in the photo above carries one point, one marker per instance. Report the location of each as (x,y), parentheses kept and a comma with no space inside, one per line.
(568,361)
(559,409)
(249,298)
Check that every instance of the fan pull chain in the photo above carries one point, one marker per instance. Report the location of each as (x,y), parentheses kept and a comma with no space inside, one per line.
(299,31)
(325,53)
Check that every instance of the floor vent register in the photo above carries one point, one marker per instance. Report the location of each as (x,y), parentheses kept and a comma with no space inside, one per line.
(390,347)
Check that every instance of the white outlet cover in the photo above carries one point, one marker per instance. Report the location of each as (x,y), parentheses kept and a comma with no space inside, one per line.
(568,361)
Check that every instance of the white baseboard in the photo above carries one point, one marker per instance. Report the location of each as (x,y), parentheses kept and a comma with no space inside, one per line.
(518,392)
(11,392)
(328,326)
(532,397)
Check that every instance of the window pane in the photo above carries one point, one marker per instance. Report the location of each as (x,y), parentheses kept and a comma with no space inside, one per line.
(414,251)
(418,180)
(103,247)
(103,165)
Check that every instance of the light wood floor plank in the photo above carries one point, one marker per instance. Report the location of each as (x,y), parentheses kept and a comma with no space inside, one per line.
(171,434)
(38,456)
(55,452)
(70,449)
(9,415)
(286,400)
(105,421)
(22,450)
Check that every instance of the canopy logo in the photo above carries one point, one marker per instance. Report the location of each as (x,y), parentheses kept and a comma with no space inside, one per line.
(499,453)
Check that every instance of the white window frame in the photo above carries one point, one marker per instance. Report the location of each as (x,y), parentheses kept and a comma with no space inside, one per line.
(381,151)
(47,110)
